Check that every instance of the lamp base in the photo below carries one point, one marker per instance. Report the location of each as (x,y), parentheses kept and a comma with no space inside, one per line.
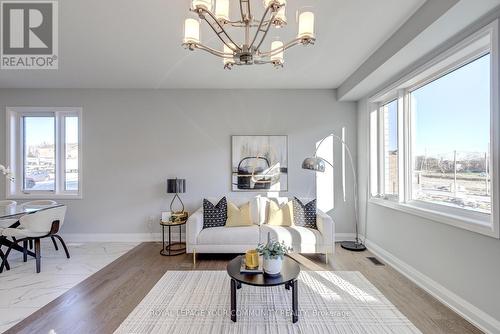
(353,246)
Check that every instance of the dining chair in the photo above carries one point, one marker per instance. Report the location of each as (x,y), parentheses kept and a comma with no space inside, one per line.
(41,202)
(4,223)
(36,226)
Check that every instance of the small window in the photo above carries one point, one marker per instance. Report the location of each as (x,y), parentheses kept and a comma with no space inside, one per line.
(374,153)
(71,156)
(45,152)
(391,152)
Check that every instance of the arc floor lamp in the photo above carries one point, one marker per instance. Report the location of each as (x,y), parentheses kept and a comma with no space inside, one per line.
(318,164)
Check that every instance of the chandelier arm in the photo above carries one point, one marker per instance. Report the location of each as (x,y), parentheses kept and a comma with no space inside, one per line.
(287,46)
(222,30)
(262,62)
(213,51)
(259,29)
(237,24)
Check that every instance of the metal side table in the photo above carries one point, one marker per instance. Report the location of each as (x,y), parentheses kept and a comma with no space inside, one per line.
(172,248)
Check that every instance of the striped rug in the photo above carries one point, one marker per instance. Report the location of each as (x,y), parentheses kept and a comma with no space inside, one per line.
(329,302)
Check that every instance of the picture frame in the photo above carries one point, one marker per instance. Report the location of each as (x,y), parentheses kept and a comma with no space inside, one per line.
(259,163)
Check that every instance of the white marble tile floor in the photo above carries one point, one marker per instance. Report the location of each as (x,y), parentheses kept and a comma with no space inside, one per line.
(23,291)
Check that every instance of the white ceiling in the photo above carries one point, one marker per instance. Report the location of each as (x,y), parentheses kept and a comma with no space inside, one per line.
(136,44)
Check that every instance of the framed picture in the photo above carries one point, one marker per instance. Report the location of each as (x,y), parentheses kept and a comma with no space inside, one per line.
(259,163)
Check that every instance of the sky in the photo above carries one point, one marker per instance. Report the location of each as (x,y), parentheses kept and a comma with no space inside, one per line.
(450,113)
(453,112)
(40,130)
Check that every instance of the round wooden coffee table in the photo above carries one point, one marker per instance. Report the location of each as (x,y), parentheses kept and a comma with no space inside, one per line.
(288,277)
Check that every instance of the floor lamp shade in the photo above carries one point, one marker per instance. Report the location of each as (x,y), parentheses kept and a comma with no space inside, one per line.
(176,186)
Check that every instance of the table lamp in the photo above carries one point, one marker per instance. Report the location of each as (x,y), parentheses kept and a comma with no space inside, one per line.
(176,186)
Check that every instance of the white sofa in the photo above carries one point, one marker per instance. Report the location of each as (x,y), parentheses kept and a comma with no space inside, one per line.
(240,239)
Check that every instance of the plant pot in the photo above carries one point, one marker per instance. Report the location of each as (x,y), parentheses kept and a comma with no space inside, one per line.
(272,266)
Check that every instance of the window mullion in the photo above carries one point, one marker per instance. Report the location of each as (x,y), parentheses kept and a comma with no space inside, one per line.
(19,153)
(404,145)
(59,151)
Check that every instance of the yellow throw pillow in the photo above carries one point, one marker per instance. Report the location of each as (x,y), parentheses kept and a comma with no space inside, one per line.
(238,216)
(280,216)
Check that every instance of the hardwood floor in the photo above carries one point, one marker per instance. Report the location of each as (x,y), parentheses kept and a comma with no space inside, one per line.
(101,302)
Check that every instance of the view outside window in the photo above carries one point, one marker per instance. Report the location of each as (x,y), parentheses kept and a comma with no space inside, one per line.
(71,153)
(39,153)
(451,138)
(390,113)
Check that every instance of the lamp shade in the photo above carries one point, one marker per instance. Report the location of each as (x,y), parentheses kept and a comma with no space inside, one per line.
(316,164)
(205,4)
(191,31)
(222,10)
(175,186)
(306,23)
(277,57)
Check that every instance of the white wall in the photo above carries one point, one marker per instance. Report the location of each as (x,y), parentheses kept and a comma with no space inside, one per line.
(463,262)
(135,139)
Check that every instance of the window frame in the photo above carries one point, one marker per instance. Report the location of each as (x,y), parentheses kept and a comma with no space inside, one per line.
(454,58)
(15,152)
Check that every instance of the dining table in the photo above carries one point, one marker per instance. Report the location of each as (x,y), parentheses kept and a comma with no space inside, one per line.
(14,212)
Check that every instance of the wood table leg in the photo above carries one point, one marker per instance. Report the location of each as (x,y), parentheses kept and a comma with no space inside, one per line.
(233,300)
(295,300)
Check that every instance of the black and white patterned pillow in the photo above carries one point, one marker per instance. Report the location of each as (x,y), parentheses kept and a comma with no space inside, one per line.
(214,215)
(304,214)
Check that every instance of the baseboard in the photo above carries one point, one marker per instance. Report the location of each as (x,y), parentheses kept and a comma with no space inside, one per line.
(471,313)
(145,237)
(111,237)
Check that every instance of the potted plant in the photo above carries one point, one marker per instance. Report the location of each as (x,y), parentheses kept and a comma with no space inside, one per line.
(273,253)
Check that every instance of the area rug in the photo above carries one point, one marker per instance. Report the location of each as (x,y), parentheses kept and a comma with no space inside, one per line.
(329,302)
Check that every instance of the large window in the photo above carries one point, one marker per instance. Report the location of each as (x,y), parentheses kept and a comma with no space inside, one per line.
(44,152)
(433,148)
(451,136)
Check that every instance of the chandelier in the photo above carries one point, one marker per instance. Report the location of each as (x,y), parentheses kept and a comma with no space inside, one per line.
(255,31)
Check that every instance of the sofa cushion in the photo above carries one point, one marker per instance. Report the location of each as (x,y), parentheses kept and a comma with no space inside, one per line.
(280,216)
(238,216)
(214,215)
(295,236)
(243,235)
(304,214)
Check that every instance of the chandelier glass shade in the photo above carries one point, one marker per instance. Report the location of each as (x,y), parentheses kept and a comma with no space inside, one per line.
(248,52)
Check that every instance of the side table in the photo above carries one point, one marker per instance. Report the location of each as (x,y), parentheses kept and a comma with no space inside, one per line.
(172,248)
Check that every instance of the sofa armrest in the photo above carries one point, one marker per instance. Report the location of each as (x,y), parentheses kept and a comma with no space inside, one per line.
(326,227)
(194,225)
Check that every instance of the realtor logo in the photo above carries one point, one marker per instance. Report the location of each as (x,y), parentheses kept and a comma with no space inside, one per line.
(29,36)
